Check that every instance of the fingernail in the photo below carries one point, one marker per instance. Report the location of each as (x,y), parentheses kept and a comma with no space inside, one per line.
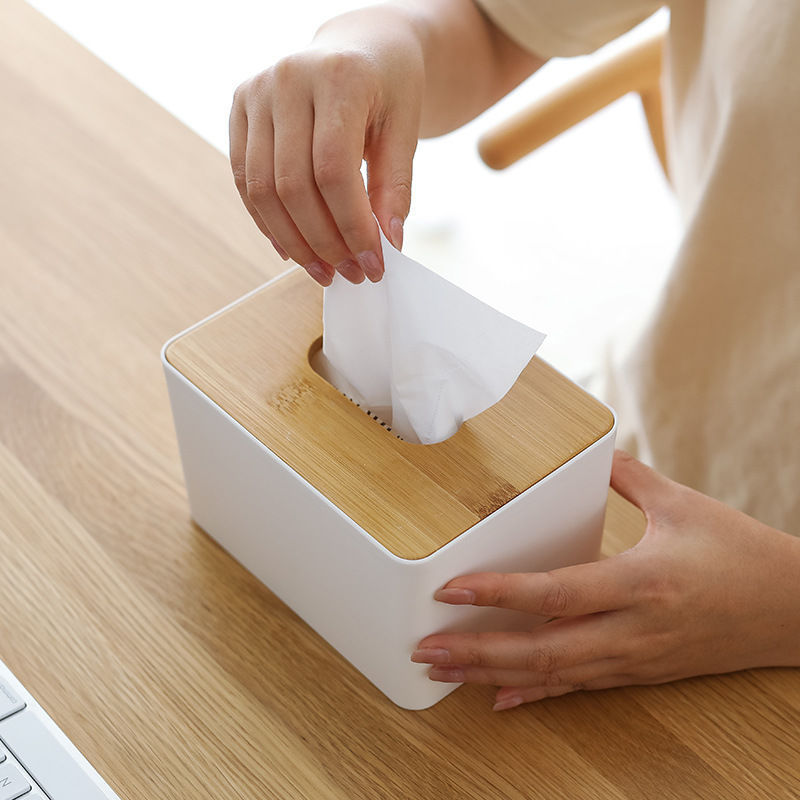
(447,674)
(319,273)
(430,655)
(459,597)
(396,232)
(350,270)
(368,261)
(509,702)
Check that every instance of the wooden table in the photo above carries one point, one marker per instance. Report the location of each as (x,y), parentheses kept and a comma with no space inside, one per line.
(172,669)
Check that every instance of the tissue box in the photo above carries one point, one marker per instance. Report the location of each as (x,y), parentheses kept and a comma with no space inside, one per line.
(354,528)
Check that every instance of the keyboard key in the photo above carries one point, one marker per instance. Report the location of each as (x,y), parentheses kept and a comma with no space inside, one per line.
(9,702)
(46,758)
(12,782)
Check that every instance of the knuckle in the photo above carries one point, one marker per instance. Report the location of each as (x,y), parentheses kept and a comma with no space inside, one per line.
(290,188)
(258,91)
(475,657)
(498,592)
(239,93)
(285,69)
(543,660)
(329,173)
(397,187)
(330,251)
(258,190)
(355,233)
(401,185)
(254,91)
(552,679)
(557,597)
(347,65)
(239,177)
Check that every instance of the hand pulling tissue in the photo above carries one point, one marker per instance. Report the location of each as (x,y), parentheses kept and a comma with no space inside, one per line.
(417,351)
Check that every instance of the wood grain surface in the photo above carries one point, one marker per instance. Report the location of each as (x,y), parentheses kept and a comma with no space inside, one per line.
(172,669)
(253,361)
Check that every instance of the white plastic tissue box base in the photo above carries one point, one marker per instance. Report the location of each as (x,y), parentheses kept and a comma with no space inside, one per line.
(353,528)
(418,351)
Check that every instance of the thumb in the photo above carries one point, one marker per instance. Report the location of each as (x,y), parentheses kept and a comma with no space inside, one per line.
(639,484)
(389,165)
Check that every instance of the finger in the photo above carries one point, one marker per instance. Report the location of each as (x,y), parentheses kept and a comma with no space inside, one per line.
(338,150)
(237,131)
(571,676)
(389,168)
(549,648)
(639,484)
(530,695)
(567,592)
(262,194)
(297,190)
(509,697)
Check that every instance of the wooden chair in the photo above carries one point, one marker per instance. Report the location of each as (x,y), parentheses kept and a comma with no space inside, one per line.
(635,69)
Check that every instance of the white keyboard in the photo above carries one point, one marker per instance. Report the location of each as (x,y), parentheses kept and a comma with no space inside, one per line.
(37,761)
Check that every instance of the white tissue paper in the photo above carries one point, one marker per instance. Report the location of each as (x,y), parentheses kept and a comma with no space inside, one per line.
(417,351)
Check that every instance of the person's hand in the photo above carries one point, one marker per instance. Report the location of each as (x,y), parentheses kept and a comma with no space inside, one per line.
(299,132)
(707,590)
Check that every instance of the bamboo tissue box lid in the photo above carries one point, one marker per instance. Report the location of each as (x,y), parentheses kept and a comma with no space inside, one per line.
(293,478)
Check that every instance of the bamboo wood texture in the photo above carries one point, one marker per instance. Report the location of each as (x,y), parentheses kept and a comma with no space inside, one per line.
(635,69)
(172,669)
(253,361)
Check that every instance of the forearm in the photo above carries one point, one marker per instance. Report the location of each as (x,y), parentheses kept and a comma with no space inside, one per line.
(468,62)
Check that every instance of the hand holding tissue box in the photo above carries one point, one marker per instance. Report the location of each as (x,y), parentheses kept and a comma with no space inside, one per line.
(418,351)
(351,526)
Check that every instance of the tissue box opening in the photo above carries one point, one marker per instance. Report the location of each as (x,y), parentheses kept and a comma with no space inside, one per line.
(323,367)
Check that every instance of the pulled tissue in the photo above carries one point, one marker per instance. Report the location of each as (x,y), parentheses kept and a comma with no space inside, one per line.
(419,352)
